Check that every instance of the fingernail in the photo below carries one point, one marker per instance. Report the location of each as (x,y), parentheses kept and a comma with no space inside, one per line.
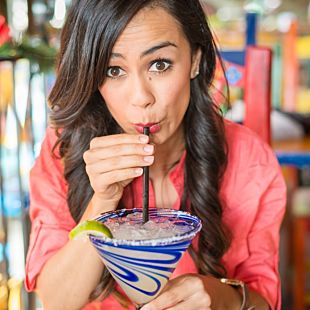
(139,171)
(149,159)
(146,308)
(144,138)
(149,149)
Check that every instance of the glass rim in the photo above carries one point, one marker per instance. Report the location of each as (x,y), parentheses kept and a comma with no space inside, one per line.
(104,240)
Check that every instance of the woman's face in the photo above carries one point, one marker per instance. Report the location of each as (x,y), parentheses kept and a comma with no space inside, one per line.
(148,79)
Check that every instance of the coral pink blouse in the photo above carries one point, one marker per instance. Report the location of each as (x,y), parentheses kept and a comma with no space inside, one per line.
(253,193)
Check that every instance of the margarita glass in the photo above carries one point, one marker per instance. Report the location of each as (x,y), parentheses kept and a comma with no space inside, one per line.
(143,266)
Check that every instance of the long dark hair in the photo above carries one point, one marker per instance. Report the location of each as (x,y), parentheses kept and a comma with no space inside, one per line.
(78,109)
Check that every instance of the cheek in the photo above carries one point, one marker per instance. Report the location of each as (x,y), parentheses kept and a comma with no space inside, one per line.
(112,98)
(177,94)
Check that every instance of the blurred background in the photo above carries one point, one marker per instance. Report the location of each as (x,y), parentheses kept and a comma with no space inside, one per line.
(29,40)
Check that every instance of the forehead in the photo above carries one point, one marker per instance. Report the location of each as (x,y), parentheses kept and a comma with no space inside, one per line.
(148,26)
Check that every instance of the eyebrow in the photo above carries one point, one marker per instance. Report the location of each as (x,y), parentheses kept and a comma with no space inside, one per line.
(148,51)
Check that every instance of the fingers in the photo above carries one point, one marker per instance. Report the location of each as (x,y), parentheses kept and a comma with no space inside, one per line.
(117,145)
(95,154)
(195,302)
(101,182)
(185,292)
(112,162)
(118,163)
(106,141)
(113,159)
(121,152)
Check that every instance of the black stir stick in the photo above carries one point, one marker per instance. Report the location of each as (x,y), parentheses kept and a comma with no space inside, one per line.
(146,131)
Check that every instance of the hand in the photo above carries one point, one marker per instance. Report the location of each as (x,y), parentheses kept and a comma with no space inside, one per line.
(112,162)
(195,292)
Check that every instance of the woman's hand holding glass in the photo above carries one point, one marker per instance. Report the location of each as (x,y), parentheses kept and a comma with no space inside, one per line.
(112,162)
(194,291)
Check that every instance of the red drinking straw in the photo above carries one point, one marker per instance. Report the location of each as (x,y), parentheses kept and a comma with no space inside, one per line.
(146,131)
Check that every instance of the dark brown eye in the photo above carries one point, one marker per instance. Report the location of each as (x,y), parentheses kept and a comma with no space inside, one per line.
(160,65)
(115,72)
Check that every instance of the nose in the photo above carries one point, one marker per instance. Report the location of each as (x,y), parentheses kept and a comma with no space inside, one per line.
(141,94)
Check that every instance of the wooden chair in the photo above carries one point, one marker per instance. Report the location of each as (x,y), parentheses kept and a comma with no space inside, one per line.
(254,67)
(250,69)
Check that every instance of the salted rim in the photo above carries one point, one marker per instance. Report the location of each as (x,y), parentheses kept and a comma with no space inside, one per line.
(104,240)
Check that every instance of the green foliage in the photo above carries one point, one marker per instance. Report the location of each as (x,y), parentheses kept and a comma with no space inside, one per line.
(35,50)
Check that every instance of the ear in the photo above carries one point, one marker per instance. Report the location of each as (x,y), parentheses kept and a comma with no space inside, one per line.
(195,63)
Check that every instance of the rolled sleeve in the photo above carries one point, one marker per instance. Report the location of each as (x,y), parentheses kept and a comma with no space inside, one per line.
(50,217)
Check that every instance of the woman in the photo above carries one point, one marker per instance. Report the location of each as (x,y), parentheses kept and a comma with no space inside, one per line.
(123,65)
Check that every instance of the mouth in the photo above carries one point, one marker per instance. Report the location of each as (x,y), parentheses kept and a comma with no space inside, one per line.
(154,127)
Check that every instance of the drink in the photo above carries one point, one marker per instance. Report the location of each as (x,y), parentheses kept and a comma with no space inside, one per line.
(142,262)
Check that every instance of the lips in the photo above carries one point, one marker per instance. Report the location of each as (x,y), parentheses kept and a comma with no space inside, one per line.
(154,127)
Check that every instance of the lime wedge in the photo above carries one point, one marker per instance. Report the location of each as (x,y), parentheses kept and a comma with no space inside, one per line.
(91,227)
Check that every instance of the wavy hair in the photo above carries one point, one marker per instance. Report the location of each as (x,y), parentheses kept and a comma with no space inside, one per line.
(77,108)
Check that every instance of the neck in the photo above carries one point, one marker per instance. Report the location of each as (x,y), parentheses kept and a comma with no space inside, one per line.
(167,155)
